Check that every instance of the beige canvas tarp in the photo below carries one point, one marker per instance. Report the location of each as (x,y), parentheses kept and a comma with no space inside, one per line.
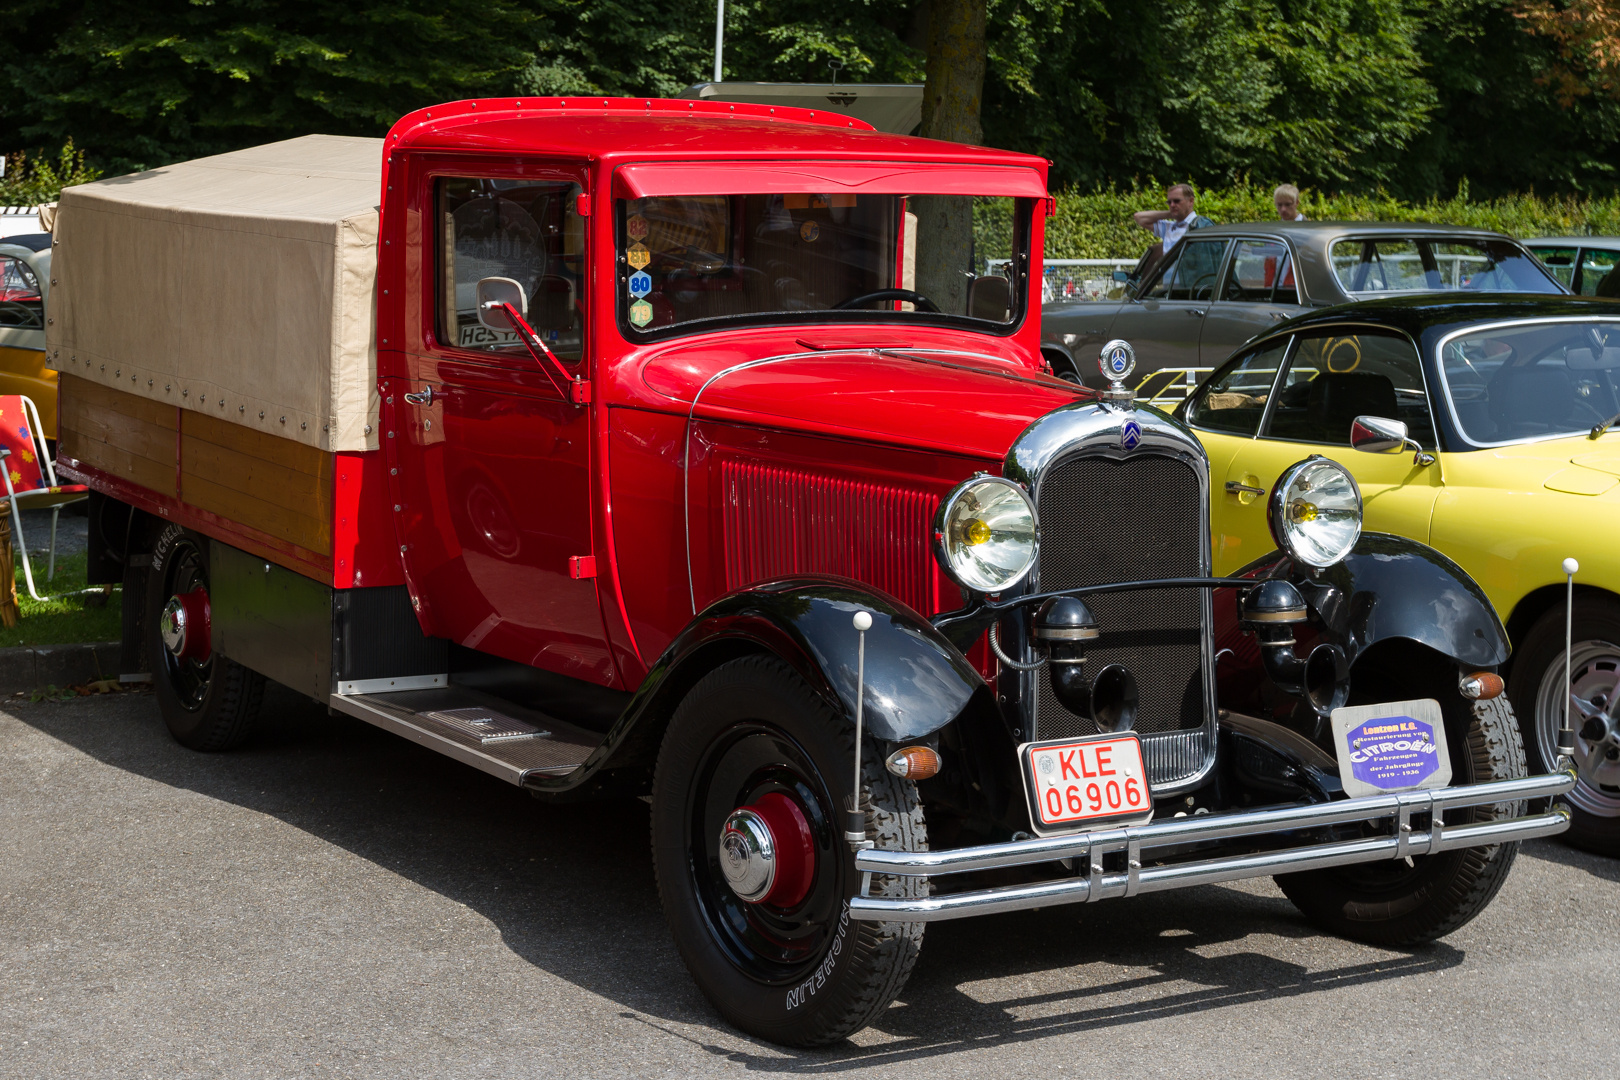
(242,285)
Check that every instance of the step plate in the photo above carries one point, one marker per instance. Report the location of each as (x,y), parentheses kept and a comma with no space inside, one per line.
(524,740)
(486,725)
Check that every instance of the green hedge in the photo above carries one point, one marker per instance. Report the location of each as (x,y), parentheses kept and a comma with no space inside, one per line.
(1098,225)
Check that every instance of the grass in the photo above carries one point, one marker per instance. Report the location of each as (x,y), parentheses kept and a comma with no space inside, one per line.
(62,618)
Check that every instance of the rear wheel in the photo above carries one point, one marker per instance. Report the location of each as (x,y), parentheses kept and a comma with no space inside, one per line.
(1538,690)
(753,762)
(1413,900)
(207,701)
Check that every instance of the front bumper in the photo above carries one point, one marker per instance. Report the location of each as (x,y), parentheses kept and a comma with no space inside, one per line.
(1136,842)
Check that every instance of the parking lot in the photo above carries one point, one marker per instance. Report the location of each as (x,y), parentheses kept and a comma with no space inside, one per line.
(333,901)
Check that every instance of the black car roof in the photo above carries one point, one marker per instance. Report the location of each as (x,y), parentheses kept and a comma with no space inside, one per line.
(1418,313)
(31,241)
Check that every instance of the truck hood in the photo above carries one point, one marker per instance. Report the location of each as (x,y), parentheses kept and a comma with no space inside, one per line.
(964,404)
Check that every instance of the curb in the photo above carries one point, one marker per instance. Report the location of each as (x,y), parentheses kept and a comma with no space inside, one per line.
(28,666)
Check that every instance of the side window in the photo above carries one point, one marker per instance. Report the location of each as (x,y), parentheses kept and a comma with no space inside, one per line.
(1198,267)
(20,301)
(1261,272)
(1160,289)
(1595,266)
(1234,400)
(1561,261)
(1379,266)
(529,231)
(1335,378)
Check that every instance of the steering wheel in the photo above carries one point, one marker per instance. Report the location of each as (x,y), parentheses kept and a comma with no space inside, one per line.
(890,294)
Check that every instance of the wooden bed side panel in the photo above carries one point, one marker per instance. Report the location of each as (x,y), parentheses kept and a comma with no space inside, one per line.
(278,486)
(130,437)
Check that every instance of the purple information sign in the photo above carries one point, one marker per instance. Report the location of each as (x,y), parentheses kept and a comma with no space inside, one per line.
(1393,752)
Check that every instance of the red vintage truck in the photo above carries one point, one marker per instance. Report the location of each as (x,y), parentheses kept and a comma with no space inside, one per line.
(704,452)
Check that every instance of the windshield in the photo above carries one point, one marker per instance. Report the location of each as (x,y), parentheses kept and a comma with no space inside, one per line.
(1371,267)
(1533,380)
(688,261)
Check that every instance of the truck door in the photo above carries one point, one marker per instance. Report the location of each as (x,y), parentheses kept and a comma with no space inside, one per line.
(494,480)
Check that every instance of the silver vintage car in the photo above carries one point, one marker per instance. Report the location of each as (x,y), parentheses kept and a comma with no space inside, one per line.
(1222,285)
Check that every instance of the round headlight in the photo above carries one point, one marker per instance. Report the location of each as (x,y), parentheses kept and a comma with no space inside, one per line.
(985,534)
(1315,512)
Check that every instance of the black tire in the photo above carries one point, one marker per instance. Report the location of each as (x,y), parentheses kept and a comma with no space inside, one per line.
(1534,685)
(1410,901)
(801,976)
(208,704)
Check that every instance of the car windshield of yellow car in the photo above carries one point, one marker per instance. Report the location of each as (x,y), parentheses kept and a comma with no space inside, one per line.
(1533,380)
(691,261)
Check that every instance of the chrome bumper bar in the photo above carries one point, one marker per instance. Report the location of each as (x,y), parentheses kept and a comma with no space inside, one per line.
(1136,840)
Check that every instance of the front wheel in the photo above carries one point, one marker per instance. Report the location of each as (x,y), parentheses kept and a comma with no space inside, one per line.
(752,865)
(208,702)
(1418,899)
(1539,692)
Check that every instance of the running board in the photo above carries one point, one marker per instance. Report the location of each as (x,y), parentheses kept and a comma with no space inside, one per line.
(496,736)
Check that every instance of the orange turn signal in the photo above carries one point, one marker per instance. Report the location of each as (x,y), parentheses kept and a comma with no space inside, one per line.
(1480,686)
(914,763)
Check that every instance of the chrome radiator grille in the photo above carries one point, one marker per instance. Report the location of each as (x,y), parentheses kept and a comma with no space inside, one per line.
(1107,519)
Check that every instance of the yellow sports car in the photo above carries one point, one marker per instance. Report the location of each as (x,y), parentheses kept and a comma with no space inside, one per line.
(1486,428)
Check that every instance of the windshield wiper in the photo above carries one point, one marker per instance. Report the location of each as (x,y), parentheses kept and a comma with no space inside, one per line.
(1605,426)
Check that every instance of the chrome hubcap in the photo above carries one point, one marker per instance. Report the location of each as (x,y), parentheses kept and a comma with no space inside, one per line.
(1595,682)
(748,855)
(172,626)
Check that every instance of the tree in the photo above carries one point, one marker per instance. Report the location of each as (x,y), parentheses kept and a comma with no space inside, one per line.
(138,85)
(1588,36)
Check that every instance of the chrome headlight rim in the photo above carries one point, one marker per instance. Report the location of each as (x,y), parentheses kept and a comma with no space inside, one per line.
(942,518)
(1276,517)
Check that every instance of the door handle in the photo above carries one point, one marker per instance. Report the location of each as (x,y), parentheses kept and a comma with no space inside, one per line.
(1197,313)
(423,398)
(1233,487)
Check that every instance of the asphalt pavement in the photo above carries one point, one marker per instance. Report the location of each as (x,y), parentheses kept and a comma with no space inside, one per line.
(334,901)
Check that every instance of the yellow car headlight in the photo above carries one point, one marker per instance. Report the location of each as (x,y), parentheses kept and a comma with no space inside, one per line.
(1315,512)
(985,534)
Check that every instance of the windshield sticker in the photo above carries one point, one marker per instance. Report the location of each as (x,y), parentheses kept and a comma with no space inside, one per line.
(809,231)
(636,228)
(640,313)
(640,284)
(1397,746)
(638,256)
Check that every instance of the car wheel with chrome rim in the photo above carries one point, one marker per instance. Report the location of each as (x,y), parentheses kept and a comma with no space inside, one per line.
(208,702)
(752,866)
(1538,689)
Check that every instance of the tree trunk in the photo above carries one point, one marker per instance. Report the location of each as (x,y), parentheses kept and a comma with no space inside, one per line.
(954,71)
(951,103)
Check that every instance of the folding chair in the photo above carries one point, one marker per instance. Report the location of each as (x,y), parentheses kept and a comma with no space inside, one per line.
(30,477)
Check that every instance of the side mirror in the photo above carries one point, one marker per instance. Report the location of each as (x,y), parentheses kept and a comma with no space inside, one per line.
(1122,275)
(1380,435)
(493,292)
(1377,435)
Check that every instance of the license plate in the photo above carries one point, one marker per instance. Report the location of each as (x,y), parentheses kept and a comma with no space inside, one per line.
(1082,781)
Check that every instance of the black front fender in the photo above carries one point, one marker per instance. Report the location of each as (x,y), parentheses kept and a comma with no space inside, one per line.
(916,681)
(1389,587)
